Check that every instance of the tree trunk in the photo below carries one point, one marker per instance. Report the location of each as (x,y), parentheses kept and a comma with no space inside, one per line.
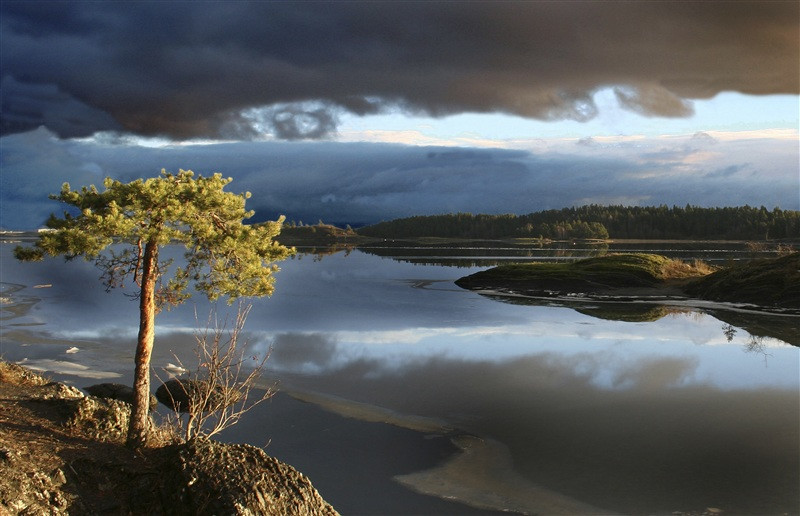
(140,413)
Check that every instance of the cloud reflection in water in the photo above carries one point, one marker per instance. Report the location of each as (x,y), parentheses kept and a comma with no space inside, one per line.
(633,435)
(626,415)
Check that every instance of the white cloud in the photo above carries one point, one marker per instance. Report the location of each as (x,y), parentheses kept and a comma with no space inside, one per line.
(759,134)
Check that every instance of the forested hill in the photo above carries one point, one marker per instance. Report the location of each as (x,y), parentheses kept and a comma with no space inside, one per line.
(631,222)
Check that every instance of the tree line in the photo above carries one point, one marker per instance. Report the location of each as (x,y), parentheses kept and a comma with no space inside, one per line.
(602,222)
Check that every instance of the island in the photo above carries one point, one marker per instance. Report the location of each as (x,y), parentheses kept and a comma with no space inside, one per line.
(767,282)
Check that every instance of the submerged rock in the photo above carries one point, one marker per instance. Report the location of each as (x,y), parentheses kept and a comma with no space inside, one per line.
(116,391)
(182,395)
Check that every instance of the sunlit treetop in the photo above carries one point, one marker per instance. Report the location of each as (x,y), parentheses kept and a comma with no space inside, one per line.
(223,255)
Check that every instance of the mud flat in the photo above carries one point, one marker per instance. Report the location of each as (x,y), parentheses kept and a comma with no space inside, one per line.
(480,474)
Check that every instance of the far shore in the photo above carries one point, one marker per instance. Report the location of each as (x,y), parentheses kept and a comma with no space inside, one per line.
(292,236)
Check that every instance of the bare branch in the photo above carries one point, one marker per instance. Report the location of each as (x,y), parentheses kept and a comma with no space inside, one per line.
(221,389)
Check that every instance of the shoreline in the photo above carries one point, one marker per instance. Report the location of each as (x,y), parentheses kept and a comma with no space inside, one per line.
(63,452)
(635,295)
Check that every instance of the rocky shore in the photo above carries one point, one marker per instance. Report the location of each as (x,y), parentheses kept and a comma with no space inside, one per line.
(63,452)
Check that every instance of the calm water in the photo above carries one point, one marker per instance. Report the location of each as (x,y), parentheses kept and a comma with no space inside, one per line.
(630,409)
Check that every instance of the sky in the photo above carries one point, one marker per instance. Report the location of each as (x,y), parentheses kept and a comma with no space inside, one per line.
(357,112)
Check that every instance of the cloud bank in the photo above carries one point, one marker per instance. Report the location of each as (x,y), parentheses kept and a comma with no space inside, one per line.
(363,183)
(288,69)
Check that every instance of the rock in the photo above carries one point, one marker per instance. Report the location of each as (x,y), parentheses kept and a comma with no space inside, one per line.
(102,419)
(117,391)
(17,374)
(181,395)
(66,455)
(209,477)
(59,391)
(7,455)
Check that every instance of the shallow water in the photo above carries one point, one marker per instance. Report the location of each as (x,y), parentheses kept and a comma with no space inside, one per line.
(573,406)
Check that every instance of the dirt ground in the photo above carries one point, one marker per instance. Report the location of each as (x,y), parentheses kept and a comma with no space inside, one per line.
(49,467)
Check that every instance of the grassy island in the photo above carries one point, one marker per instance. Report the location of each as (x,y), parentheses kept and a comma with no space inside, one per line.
(767,282)
(598,275)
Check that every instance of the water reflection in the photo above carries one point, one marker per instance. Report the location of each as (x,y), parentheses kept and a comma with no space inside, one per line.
(480,254)
(785,328)
(612,311)
(318,253)
(729,331)
(760,324)
(639,408)
(302,352)
(477,254)
(630,435)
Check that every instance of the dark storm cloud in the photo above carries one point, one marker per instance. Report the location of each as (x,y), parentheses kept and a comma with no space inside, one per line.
(30,105)
(191,70)
(296,123)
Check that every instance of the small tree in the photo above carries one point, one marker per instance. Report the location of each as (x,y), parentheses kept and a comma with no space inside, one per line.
(217,392)
(223,257)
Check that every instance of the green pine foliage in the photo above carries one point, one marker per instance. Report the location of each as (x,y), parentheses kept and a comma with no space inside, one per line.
(223,255)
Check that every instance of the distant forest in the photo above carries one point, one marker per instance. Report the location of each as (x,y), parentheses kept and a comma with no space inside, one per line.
(602,222)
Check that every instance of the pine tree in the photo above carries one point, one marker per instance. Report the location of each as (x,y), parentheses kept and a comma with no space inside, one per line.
(223,256)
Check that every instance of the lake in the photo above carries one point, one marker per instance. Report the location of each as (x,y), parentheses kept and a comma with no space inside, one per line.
(401,393)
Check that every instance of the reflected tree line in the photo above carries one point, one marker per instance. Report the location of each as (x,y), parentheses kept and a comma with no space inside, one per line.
(477,255)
